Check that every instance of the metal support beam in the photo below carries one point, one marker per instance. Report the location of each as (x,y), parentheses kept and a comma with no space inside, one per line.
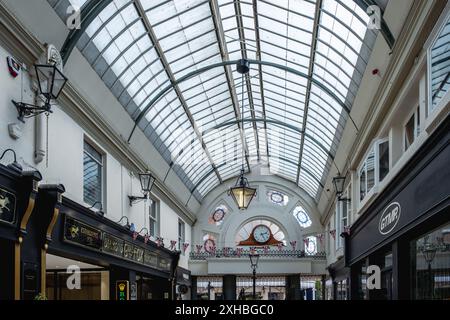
(170,86)
(309,84)
(261,82)
(173,81)
(240,28)
(228,72)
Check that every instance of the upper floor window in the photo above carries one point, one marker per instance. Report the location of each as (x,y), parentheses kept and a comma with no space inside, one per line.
(412,129)
(342,221)
(302,217)
(154,218)
(278,198)
(93,163)
(181,234)
(439,66)
(375,168)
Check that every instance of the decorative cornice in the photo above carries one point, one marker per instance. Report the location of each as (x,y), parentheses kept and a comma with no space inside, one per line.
(27,48)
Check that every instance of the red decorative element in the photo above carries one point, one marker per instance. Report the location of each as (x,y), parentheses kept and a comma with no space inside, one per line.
(146,238)
(13,67)
(252,250)
(347,230)
(185,246)
(333,233)
(135,235)
(280,246)
(172,244)
(376,72)
(199,248)
(239,251)
(213,250)
(159,241)
(320,237)
(293,244)
(266,249)
(306,242)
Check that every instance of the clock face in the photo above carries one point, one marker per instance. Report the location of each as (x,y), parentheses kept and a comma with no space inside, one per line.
(261,233)
(209,245)
(218,215)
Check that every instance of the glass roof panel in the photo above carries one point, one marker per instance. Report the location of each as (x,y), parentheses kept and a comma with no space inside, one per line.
(318,55)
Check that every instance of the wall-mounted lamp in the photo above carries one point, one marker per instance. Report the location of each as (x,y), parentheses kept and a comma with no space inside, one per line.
(100,209)
(147,180)
(15,165)
(338,183)
(51,81)
(127,224)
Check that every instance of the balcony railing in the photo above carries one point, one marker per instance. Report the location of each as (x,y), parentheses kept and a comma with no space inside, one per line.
(234,253)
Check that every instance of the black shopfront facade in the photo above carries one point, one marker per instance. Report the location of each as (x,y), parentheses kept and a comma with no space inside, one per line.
(36,221)
(406,231)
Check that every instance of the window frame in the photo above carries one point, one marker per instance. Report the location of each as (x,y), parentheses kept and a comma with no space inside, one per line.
(181,235)
(415,114)
(438,29)
(94,146)
(375,148)
(155,219)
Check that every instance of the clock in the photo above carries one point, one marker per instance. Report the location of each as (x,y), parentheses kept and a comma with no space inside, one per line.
(209,245)
(218,215)
(261,233)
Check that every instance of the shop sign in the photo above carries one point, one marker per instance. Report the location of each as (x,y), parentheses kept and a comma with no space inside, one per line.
(82,234)
(7,206)
(150,259)
(128,251)
(122,290)
(389,218)
(164,264)
(113,245)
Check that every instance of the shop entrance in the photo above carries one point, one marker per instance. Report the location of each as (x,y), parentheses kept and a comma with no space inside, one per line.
(68,279)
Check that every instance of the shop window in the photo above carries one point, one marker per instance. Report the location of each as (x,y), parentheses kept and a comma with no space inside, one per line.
(412,129)
(302,217)
(93,167)
(430,263)
(181,234)
(154,218)
(278,198)
(439,66)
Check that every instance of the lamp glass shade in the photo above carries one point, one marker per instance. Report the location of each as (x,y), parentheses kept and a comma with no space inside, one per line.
(429,253)
(254,259)
(338,183)
(243,195)
(147,181)
(51,80)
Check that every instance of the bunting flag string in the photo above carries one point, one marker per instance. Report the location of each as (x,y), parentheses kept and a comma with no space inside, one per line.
(185,246)
(199,248)
(239,251)
(293,244)
(280,246)
(333,233)
(172,244)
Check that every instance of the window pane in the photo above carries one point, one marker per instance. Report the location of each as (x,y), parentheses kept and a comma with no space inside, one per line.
(92,175)
(362,183)
(383,152)
(370,164)
(409,133)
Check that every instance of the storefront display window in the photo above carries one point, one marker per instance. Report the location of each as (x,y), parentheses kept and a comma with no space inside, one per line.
(430,263)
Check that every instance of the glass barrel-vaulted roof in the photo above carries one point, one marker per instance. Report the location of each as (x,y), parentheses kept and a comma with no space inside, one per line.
(140,46)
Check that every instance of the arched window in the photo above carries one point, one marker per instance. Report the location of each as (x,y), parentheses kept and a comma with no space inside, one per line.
(302,217)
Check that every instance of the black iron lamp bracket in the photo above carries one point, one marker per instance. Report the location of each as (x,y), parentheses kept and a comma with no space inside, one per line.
(135,199)
(27,110)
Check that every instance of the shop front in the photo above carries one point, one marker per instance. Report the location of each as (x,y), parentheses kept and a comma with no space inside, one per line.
(54,248)
(405,233)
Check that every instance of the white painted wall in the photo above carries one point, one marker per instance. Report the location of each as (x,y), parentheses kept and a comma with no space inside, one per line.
(65,160)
